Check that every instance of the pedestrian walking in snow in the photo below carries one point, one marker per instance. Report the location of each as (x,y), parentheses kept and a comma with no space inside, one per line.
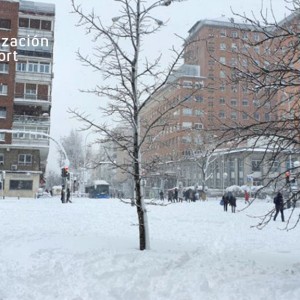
(232,202)
(247,196)
(161,196)
(68,195)
(176,195)
(62,195)
(225,202)
(278,201)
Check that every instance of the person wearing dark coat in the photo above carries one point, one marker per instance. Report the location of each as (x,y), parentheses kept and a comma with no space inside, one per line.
(161,195)
(176,195)
(232,202)
(225,202)
(278,201)
(68,195)
(62,195)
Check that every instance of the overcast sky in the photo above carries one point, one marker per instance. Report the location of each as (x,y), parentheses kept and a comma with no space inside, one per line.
(70,76)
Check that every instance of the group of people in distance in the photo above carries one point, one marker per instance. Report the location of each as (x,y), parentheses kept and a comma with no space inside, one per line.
(229,198)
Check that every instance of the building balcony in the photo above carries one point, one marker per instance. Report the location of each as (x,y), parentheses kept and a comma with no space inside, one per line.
(33,99)
(26,141)
(23,120)
(25,32)
(31,143)
(34,77)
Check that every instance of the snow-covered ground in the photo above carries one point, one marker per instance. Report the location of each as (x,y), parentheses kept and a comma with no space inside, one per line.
(89,250)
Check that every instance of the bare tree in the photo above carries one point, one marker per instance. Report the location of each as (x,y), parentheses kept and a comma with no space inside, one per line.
(52,179)
(129,83)
(74,148)
(267,67)
(202,153)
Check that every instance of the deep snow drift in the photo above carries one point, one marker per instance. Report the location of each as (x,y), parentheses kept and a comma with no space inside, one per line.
(89,250)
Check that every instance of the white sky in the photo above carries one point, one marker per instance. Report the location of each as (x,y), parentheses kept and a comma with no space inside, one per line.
(70,75)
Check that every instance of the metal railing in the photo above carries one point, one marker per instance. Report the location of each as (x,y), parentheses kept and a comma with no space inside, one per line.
(25,119)
(35,97)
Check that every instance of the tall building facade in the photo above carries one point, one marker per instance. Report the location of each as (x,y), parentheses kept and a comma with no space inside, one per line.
(26,64)
(220,48)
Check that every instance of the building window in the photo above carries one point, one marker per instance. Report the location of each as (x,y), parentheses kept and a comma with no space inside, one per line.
(222,74)
(256,49)
(24,22)
(234,34)
(255,165)
(21,66)
(222,101)
(199,84)
(256,37)
(33,66)
(3,89)
(275,166)
(234,88)
(223,60)
(245,102)
(44,68)
(187,112)
(20,185)
(198,126)
(2,136)
(267,117)
(199,99)
(5,24)
(256,116)
(4,47)
(256,103)
(186,139)
(245,116)
(244,49)
(222,46)
(186,125)
(233,115)
(198,112)
(233,47)
(1,159)
(46,25)
(35,24)
(245,89)
(245,36)
(244,63)
(233,102)
(187,84)
(30,91)
(222,33)
(233,62)
(4,68)
(222,87)
(2,112)
(222,114)
(25,159)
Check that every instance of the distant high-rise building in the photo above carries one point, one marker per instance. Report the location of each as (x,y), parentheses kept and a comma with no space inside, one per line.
(26,63)
(221,48)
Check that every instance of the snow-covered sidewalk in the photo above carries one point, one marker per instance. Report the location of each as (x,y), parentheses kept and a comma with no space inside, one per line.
(88,250)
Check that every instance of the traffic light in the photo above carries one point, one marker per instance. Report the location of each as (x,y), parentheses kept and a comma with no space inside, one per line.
(65,172)
(287,177)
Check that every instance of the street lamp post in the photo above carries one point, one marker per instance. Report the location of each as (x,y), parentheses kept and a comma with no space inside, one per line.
(224,178)
(3,181)
(83,180)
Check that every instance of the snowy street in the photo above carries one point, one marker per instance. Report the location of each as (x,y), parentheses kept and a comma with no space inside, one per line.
(88,250)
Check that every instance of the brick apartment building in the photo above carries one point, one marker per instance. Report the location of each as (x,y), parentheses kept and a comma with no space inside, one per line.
(216,48)
(27,30)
